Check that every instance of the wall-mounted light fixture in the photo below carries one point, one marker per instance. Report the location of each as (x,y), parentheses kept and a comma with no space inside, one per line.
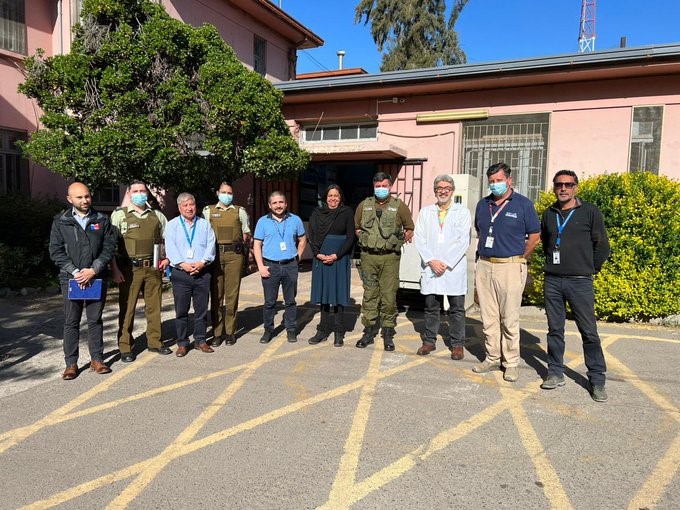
(452,115)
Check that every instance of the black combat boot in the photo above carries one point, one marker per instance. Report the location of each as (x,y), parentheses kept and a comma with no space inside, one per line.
(388,338)
(368,337)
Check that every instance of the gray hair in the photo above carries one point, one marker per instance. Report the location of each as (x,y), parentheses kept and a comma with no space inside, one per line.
(444,178)
(183,197)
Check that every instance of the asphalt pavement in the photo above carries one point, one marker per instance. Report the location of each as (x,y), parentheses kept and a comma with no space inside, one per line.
(291,425)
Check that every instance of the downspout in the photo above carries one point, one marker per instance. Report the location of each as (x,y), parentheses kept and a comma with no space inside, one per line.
(60,24)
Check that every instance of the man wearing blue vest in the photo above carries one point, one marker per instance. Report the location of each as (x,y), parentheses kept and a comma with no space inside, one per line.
(508,230)
(279,242)
(576,245)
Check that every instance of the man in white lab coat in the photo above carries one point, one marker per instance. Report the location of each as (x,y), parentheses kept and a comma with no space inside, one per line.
(442,237)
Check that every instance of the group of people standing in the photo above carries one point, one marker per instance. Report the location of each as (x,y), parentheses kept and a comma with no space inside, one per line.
(205,258)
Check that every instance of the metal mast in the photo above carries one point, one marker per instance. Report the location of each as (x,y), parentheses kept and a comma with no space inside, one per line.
(586,35)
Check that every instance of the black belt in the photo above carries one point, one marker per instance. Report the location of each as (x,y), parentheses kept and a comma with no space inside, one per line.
(280,262)
(379,252)
(232,247)
(145,262)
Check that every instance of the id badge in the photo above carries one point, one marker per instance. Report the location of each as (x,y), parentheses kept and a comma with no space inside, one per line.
(190,253)
(440,238)
(556,257)
(489,242)
(282,245)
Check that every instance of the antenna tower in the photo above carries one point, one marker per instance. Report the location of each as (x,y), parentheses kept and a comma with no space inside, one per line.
(586,34)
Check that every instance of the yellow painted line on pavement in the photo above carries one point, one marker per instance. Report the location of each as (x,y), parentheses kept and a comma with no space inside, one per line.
(14,436)
(663,474)
(552,487)
(173,450)
(85,487)
(349,461)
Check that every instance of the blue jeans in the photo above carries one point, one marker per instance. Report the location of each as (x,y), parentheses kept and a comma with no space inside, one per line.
(186,288)
(578,292)
(285,276)
(433,305)
(73,311)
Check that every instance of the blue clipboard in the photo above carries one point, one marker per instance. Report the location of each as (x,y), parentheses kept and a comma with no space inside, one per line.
(91,293)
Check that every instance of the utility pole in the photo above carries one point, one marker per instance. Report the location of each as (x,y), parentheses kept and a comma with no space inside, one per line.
(586,34)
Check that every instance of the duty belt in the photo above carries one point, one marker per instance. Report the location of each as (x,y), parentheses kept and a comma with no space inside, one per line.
(379,252)
(502,260)
(232,247)
(144,262)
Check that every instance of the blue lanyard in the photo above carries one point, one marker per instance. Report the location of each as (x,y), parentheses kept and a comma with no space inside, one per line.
(282,235)
(186,232)
(560,226)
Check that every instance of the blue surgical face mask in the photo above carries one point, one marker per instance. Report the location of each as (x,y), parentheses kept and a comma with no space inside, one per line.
(498,188)
(225,198)
(381,193)
(139,199)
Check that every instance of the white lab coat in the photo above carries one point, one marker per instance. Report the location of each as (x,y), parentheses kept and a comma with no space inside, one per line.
(450,247)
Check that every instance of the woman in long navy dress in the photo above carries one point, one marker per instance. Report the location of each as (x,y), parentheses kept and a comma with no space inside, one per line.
(331,236)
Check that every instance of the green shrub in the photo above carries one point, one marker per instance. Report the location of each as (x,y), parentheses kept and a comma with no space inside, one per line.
(640,279)
(24,238)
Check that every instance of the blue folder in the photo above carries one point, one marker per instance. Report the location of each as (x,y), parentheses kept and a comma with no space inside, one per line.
(92,292)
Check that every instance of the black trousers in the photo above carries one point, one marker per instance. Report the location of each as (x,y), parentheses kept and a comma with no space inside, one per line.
(185,290)
(73,311)
(433,304)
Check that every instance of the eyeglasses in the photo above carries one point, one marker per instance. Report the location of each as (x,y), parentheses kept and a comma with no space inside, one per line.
(446,189)
(568,185)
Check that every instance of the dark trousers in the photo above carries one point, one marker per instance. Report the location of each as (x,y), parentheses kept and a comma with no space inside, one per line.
(433,305)
(186,288)
(286,277)
(578,292)
(73,311)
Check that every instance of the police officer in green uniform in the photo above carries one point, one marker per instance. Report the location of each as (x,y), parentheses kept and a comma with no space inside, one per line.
(139,229)
(230,224)
(383,224)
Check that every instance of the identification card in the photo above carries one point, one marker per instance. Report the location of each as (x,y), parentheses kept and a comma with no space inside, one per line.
(282,245)
(489,242)
(440,238)
(190,253)
(556,257)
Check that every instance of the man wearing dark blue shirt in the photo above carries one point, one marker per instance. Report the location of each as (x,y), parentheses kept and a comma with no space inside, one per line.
(508,231)
(279,242)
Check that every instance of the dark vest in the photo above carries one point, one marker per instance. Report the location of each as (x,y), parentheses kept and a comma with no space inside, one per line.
(141,235)
(384,233)
(226,224)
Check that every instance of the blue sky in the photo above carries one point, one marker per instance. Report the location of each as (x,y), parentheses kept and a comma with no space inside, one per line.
(492,29)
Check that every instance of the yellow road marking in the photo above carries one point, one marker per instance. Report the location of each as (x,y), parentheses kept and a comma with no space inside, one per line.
(173,450)
(14,436)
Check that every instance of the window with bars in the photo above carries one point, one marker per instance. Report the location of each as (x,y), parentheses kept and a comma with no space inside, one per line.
(520,141)
(260,55)
(645,139)
(340,132)
(13,167)
(13,26)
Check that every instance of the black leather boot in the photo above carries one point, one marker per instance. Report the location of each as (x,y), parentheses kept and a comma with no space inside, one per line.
(388,338)
(368,337)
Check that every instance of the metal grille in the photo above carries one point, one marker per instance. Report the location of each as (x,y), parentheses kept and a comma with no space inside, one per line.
(260,55)
(645,141)
(519,141)
(13,26)
(408,180)
(13,167)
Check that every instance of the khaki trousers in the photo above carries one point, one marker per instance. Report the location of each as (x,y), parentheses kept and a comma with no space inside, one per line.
(148,280)
(499,289)
(225,287)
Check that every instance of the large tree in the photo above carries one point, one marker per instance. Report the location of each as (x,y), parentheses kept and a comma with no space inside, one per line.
(142,95)
(412,34)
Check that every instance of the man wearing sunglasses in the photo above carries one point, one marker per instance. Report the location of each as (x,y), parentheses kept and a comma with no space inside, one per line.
(576,245)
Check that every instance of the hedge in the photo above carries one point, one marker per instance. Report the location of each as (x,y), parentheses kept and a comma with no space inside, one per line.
(640,279)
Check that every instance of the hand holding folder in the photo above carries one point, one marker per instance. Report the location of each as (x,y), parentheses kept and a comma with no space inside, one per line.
(92,292)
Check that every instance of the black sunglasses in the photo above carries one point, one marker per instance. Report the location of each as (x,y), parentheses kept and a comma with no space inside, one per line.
(567,185)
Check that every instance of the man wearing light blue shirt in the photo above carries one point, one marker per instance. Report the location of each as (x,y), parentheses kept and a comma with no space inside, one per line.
(190,246)
(279,243)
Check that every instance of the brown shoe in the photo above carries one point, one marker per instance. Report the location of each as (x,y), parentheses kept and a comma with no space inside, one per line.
(71,372)
(204,347)
(425,349)
(99,367)
(181,351)
(457,352)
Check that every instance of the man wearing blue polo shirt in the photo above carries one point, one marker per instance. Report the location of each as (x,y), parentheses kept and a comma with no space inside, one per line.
(279,242)
(508,230)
